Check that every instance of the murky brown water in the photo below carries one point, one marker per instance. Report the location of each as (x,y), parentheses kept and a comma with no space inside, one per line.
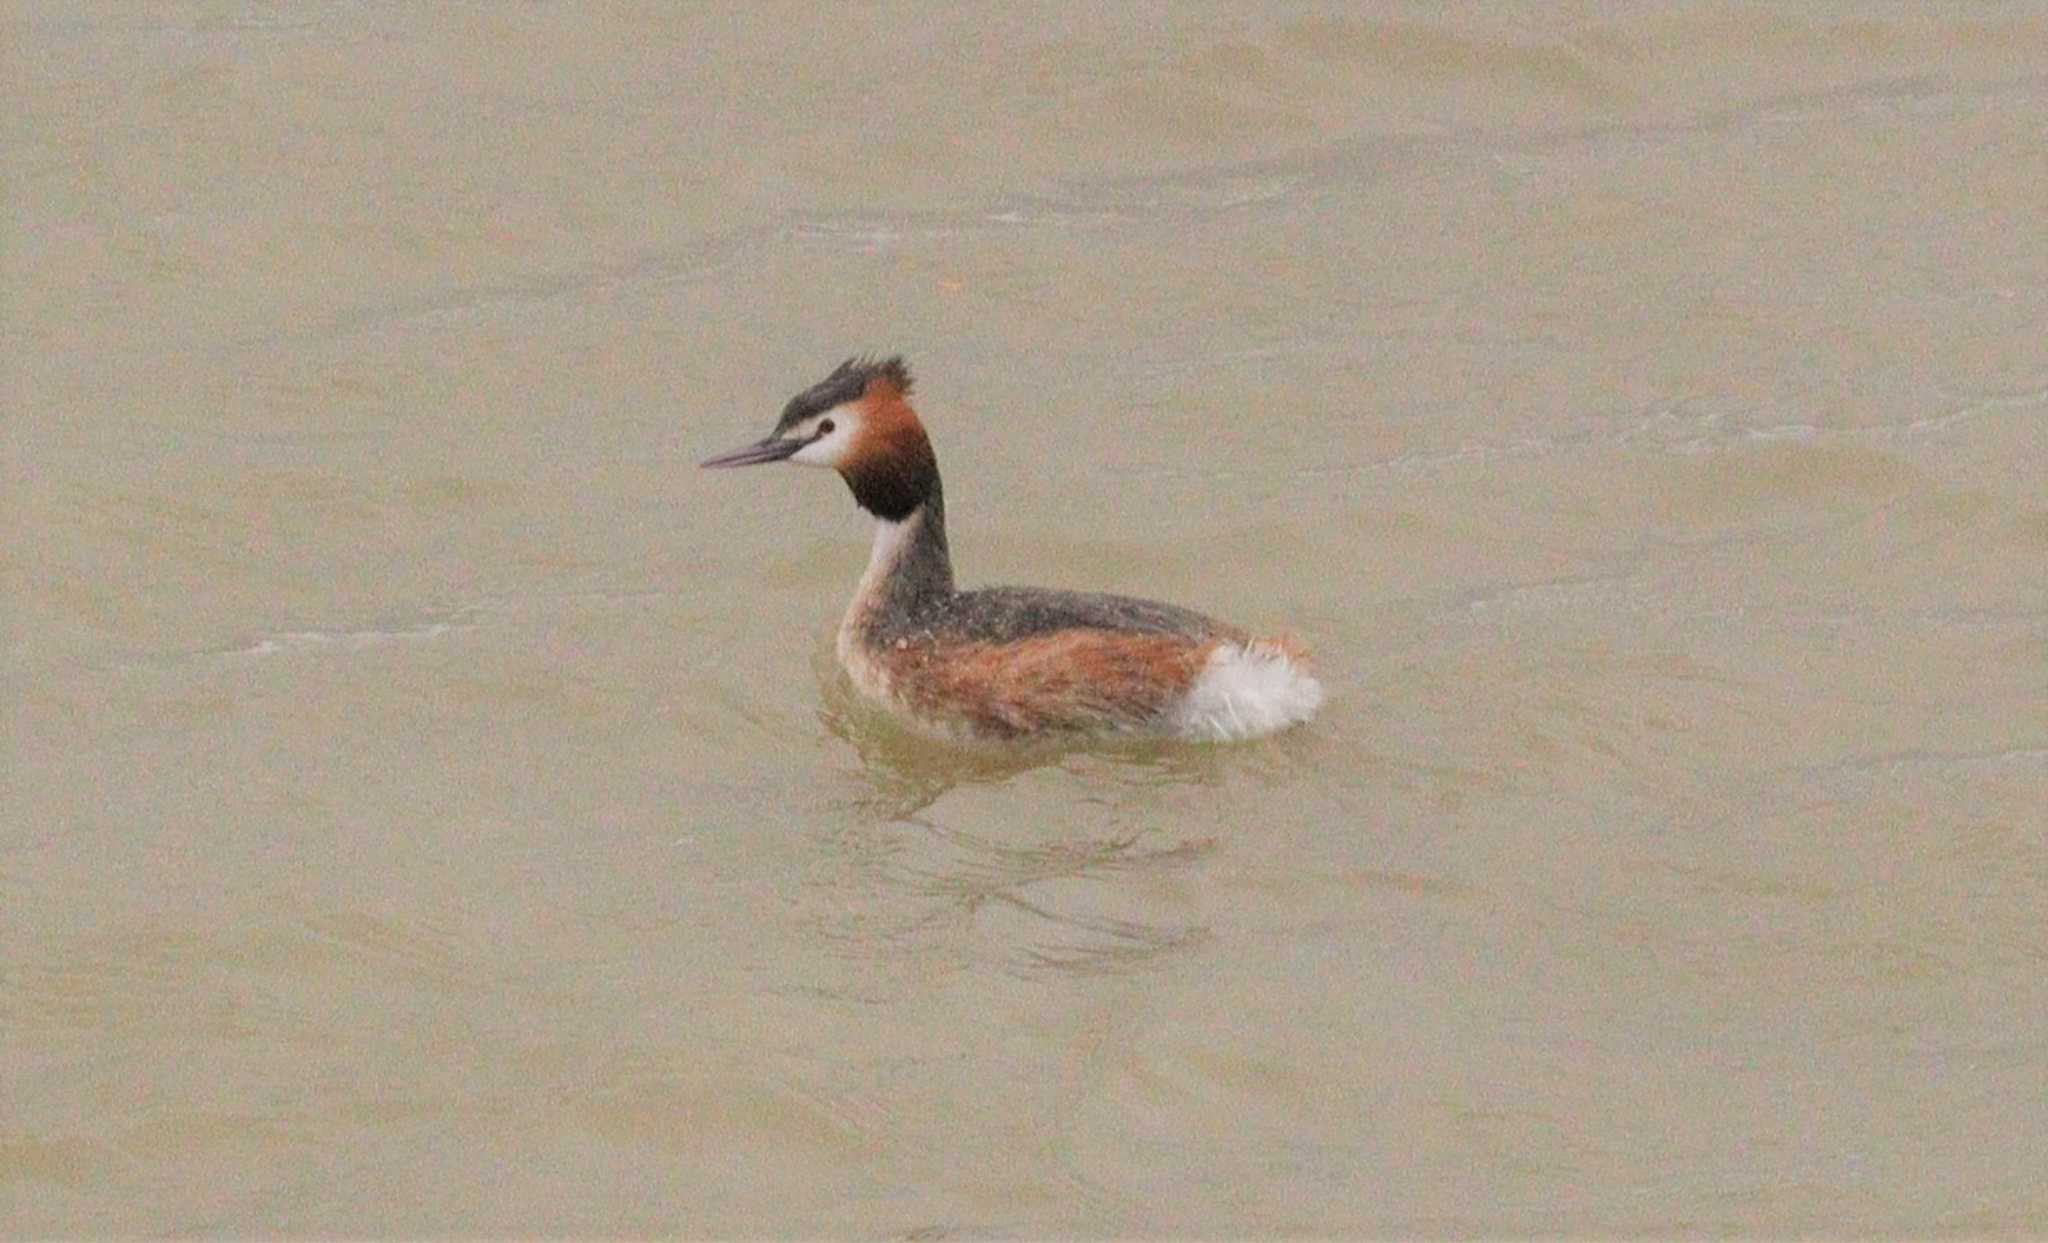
(429,807)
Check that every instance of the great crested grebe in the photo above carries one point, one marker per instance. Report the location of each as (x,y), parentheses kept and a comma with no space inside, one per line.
(1009,663)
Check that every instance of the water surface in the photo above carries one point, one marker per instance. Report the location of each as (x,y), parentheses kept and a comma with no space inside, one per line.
(430,807)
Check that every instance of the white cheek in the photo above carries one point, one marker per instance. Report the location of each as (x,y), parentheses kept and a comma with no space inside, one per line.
(830,449)
(823,452)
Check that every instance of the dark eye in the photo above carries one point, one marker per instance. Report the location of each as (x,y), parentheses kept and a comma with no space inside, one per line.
(825,428)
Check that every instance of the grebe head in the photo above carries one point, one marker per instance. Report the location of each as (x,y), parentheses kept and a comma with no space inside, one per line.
(858,421)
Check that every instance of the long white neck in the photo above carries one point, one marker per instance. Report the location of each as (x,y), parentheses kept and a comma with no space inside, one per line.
(892,541)
(908,572)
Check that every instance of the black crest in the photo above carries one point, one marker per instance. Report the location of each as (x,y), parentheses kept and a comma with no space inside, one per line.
(848,381)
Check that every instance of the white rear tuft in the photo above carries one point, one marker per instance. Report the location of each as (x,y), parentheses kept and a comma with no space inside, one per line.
(1247,690)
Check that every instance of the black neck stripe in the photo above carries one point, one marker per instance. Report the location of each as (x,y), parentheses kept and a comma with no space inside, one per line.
(893,486)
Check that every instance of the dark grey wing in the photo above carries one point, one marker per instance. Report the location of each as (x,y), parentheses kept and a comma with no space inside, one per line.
(1000,614)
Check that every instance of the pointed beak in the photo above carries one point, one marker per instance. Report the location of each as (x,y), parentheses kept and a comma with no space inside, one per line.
(772,449)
